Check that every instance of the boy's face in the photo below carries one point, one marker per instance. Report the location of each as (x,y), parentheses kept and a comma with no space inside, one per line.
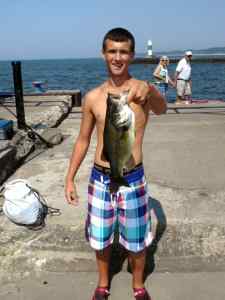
(118,56)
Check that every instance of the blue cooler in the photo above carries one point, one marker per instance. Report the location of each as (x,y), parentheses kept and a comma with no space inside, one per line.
(40,86)
(6,129)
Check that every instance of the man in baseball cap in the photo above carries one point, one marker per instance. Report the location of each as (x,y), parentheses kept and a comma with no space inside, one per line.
(183,79)
(188,53)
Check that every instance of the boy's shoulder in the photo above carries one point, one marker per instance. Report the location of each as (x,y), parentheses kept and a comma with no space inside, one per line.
(94,97)
(94,93)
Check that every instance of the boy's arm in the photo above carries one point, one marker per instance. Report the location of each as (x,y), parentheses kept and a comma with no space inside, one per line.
(79,150)
(142,91)
(156,100)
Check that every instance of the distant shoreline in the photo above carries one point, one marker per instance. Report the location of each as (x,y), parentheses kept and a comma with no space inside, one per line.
(175,59)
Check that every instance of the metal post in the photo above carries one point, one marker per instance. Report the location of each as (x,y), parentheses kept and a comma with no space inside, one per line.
(76,99)
(18,87)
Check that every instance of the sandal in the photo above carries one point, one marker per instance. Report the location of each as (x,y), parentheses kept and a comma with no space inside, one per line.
(101,293)
(141,294)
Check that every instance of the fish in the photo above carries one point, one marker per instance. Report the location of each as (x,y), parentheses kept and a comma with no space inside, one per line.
(118,136)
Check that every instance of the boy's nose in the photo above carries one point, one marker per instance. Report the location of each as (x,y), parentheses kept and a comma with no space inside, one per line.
(118,55)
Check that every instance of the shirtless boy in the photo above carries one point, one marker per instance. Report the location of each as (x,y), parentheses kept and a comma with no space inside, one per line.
(130,204)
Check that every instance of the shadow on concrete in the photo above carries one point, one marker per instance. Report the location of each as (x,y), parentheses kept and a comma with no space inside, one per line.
(156,208)
(120,254)
(33,155)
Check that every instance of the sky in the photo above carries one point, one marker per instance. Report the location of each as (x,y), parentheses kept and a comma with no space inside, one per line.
(44,29)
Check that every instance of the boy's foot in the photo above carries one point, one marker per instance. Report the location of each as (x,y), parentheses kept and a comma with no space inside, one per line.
(101,293)
(141,294)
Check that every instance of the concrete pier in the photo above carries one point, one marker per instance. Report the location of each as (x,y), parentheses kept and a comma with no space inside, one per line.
(184,165)
(43,113)
(195,59)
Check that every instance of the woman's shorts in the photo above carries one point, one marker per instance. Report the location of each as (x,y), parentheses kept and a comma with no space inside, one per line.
(128,208)
(163,88)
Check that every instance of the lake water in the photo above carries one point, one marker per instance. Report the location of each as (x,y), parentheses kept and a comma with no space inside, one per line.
(84,74)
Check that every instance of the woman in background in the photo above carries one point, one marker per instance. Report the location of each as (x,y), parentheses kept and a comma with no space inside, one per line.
(162,77)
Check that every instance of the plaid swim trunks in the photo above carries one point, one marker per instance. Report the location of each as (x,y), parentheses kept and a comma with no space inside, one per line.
(128,208)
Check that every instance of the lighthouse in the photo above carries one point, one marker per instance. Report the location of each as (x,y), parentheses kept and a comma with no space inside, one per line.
(149,48)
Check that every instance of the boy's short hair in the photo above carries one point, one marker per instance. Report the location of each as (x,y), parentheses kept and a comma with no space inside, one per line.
(119,35)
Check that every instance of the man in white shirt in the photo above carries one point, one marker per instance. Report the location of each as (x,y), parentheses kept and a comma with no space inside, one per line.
(183,79)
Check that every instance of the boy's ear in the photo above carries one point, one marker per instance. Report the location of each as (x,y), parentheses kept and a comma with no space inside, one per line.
(132,56)
(103,54)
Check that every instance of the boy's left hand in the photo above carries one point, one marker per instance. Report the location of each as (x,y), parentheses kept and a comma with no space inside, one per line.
(138,92)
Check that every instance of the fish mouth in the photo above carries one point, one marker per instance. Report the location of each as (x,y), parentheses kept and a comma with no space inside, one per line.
(119,124)
(122,119)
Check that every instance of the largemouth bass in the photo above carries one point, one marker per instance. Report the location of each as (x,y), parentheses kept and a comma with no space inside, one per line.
(119,136)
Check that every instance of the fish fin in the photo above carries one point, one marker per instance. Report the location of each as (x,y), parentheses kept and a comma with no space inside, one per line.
(104,155)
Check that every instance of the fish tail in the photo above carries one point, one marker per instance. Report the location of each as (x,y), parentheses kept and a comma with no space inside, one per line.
(117,182)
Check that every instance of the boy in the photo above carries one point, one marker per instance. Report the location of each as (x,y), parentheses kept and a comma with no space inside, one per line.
(129,204)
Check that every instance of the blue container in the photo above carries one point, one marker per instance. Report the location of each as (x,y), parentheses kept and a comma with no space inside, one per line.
(6,129)
(40,86)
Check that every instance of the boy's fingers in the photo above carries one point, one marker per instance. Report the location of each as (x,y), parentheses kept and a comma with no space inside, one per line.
(131,95)
(139,92)
(72,198)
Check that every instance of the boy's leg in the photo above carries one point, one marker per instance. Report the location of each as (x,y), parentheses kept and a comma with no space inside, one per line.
(135,227)
(102,259)
(137,262)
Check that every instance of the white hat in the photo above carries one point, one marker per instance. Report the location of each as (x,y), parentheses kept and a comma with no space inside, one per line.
(188,53)
(164,57)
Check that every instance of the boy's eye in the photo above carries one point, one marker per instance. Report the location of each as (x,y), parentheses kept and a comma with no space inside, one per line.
(123,52)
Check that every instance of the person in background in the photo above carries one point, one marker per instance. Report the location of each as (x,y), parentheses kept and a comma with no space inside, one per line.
(130,205)
(183,79)
(161,76)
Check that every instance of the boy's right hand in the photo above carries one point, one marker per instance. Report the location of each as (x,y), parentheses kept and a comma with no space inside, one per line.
(71,193)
